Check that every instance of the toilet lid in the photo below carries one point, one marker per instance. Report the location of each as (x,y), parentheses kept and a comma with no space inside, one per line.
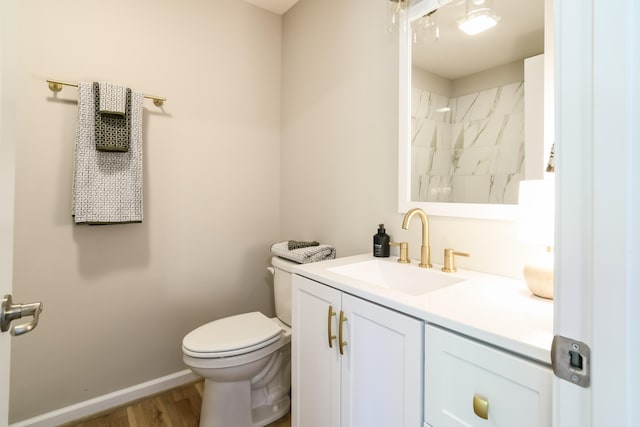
(232,335)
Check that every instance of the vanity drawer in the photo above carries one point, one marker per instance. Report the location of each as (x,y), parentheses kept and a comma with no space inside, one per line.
(461,373)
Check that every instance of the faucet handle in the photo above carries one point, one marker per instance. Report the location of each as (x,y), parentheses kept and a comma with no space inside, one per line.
(449,260)
(404,252)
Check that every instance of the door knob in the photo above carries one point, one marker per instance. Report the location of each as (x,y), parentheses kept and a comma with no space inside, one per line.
(10,312)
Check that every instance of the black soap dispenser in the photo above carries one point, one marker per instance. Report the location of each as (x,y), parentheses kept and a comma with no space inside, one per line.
(381,242)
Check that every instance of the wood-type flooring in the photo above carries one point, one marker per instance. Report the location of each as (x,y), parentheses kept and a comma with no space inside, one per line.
(178,407)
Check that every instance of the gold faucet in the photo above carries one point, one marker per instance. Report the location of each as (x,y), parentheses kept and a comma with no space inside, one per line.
(404,252)
(449,260)
(425,249)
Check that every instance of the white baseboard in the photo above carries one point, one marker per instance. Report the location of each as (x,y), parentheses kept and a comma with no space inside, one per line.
(107,401)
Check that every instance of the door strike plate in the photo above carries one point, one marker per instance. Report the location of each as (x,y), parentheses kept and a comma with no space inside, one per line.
(571,360)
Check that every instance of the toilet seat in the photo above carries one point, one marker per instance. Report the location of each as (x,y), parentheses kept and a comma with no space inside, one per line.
(232,336)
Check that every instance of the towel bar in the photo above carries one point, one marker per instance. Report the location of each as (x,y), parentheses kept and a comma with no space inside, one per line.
(56,86)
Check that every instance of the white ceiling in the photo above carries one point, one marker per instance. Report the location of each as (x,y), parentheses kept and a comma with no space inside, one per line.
(519,34)
(275,6)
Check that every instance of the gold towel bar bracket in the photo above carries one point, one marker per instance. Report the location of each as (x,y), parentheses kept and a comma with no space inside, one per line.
(56,86)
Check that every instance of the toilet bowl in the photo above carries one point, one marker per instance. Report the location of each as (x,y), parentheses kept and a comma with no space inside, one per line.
(246,361)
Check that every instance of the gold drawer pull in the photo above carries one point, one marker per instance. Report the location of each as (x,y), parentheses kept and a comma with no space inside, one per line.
(341,343)
(329,336)
(481,407)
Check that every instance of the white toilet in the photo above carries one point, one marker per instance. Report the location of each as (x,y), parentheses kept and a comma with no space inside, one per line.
(246,361)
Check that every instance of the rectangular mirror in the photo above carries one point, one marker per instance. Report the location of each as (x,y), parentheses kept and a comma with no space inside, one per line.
(462,143)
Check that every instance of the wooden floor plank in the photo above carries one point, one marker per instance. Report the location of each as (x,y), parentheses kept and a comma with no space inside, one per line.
(152,414)
(178,407)
(131,417)
(181,415)
(136,415)
(194,397)
(200,388)
(282,422)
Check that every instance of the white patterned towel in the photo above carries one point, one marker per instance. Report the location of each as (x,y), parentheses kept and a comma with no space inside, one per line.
(304,255)
(107,186)
(113,98)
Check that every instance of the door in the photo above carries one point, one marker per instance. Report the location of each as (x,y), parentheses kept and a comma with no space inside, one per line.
(8,310)
(381,372)
(7,167)
(316,359)
(598,199)
(338,341)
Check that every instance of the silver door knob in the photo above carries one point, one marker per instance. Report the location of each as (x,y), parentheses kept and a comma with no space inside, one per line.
(10,312)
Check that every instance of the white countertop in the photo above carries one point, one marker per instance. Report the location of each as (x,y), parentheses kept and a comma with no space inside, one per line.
(497,310)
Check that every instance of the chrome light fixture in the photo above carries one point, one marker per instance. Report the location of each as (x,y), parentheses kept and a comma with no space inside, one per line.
(479,17)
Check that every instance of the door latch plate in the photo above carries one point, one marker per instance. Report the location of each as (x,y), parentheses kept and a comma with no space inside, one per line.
(571,360)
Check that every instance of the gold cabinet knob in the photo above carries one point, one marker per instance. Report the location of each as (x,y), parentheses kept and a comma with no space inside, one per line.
(481,407)
(449,260)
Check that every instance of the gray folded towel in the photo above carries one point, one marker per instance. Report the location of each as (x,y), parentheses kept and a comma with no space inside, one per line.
(113,98)
(107,186)
(304,255)
(296,244)
(112,132)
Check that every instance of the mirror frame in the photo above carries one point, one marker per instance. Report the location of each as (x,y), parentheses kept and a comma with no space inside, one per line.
(462,210)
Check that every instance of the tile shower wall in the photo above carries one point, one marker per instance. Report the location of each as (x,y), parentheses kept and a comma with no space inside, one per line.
(469,148)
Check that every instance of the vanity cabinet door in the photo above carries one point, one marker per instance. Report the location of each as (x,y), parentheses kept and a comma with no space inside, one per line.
(381,372)
(371,373)
(315,386)
(471,384)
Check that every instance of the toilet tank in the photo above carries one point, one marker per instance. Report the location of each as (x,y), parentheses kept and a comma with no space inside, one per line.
(282,278)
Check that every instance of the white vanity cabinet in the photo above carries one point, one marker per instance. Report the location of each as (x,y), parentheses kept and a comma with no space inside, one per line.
(468,383)
(376,381)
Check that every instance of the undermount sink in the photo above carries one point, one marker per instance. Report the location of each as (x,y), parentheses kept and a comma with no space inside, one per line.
(406,278)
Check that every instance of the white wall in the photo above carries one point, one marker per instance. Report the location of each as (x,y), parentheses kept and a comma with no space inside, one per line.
(498,76)
(501,75)
(428,81)
(339,141)
(118,299)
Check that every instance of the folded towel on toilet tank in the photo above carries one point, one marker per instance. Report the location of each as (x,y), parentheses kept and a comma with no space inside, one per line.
(304,255)
(297,244)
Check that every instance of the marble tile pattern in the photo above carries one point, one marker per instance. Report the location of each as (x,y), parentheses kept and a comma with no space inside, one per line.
(469,148)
